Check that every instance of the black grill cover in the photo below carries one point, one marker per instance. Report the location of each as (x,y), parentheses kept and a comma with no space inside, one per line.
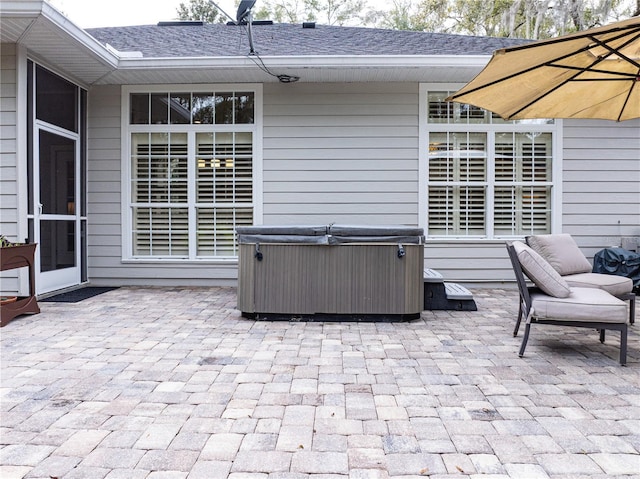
(618,261)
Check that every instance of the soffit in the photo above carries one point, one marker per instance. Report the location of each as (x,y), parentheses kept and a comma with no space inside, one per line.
(310,69)
(52,39)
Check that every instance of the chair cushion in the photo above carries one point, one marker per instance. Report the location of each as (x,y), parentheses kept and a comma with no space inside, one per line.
(562,253)
(540,272)
(583,304)
(612,284)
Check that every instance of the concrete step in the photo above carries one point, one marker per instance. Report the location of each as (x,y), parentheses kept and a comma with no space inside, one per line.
(457,292)
(439,295)
(432,276)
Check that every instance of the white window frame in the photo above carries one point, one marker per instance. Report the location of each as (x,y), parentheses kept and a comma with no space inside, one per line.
(425,128)
(256,128)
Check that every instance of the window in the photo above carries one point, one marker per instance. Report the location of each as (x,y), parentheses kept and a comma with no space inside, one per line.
(56,100)
(484,177)
(191,158)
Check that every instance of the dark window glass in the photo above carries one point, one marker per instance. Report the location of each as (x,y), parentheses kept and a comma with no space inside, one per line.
(57,245)
(30,201)
(224,108)
(139,109)
(159,108)
(84,274)
(83,153)
(31,231)
(57,174)
(244,107)
(202,108)
(56,100)
(180,108)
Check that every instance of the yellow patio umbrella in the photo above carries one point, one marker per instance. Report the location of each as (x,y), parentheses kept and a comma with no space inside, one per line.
(590,74)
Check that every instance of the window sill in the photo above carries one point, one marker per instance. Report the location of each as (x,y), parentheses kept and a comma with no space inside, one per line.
(461,240)
(177,261)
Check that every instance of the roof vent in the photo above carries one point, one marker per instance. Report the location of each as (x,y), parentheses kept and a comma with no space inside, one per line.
(309,25)
(254,22)
(182,23)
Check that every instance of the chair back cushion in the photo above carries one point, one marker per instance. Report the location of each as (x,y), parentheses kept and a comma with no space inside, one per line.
(611,283)
(561,252)
(540,272)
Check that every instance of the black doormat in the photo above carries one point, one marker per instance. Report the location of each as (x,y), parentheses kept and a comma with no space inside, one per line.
(78,294)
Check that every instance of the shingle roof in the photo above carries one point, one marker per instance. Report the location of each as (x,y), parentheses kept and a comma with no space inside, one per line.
(220,40)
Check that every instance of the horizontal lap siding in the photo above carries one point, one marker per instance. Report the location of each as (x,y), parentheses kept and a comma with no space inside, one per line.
(348,153)
(8,143)
(469,262)
(344,153)
(8,159)
(104,231)
(105,216)
(601,191)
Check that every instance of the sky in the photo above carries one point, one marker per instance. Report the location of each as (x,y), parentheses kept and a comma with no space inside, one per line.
(117,13)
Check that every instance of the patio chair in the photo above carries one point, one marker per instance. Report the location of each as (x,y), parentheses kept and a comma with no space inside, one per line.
(564,255)
(553,302)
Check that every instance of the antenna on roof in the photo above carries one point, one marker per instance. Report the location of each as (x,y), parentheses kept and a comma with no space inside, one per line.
(221,10)
(243,16)
(244,10)
(244,13)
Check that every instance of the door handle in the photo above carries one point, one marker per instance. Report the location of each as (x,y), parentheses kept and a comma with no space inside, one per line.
(40,205)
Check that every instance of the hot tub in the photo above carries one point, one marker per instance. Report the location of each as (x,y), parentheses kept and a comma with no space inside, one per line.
(342,272)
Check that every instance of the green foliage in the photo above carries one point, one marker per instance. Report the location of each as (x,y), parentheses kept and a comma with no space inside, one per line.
(327,12)
(281,11)
(202,10)
(500,18)
(532,19)
(6,243)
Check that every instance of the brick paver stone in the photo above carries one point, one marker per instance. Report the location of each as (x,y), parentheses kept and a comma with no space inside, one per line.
(171,383)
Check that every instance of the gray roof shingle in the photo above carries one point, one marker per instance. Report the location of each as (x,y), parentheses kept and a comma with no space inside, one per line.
(220,40)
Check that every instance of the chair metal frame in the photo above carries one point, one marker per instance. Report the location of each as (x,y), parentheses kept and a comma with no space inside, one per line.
(525,311)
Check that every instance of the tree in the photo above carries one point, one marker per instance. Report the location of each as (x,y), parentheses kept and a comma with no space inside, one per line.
(281,11)
(533,19)
(400,17)
(328,12)
(202,10)
(432,16)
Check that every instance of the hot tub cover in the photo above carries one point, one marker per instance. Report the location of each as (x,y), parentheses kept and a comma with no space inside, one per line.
(374,230)
(331,234)
(289,230)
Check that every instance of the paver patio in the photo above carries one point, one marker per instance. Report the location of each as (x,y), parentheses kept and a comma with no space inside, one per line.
(171,383)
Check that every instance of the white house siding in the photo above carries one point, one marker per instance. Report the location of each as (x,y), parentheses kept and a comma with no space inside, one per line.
(470,262)
(601,191)
(341,153)
(348,153)
(104,211)
(333,153)
(8,157)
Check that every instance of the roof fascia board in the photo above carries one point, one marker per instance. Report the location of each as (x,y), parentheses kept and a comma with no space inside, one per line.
(332,61)
(95,48)
(41,11)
